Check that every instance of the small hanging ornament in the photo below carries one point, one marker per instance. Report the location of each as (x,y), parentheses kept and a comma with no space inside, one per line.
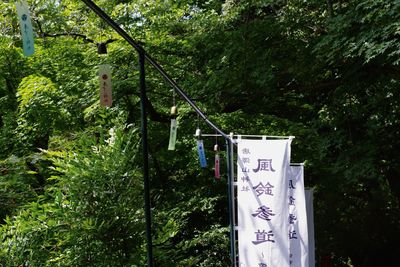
(174,111)
(173,129)
(26,27)
(200,149)
(216,164)
(101,48)
(105,85)
(198,133)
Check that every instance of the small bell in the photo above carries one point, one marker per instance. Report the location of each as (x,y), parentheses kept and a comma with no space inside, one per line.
(216,148)
(101,48)
(198,133)
(174,111)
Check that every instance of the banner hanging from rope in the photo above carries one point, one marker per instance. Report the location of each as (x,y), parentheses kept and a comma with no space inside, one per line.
(262,210)
(298,232)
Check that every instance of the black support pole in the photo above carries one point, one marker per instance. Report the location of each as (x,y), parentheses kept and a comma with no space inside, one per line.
(147,205)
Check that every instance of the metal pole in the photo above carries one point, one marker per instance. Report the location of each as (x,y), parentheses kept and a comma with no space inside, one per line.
(233,208)
(147,205)
(229,148)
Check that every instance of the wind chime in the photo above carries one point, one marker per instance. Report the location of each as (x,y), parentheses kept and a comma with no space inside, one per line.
(201,152)
(200,143)
(217,174)
(200,148)
(174,124)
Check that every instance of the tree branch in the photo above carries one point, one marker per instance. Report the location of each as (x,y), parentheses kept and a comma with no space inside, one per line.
(74,35)
(69,34)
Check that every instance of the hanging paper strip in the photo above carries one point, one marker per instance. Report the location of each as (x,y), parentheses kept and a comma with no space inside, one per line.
(172,135)
(202,155)
(26,27)
(105,85)
(217,174)
(262,208)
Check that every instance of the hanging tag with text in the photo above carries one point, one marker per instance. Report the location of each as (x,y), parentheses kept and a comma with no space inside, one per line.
(105,85)
(26,27)
(172,135)
(202,155)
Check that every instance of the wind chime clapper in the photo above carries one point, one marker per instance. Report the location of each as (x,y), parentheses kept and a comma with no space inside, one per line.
(173,128)
(200,149)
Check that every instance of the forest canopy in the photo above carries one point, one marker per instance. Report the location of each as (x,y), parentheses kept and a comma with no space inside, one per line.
(71,182)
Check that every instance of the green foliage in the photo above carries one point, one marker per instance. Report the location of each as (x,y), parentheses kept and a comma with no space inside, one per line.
(13,68)
(364,30)
(91,213)
(38,111)
(17,185)
(190,230)
(35,237)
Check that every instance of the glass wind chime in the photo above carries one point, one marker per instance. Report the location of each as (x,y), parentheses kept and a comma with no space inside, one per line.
(202,156)
(200,149)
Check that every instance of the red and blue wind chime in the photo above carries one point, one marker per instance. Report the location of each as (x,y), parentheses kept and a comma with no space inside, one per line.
(202,156)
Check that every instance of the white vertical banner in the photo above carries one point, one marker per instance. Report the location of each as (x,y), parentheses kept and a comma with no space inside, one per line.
(298,232)
(309,194)
(263,239)
(105,85)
